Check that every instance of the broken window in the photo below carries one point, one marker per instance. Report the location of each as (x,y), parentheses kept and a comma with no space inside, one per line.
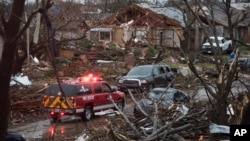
(104,35)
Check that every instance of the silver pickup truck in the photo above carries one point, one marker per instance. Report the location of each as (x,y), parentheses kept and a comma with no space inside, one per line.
(224,45)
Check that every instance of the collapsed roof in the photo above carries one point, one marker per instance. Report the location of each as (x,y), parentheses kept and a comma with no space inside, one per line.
(144,15)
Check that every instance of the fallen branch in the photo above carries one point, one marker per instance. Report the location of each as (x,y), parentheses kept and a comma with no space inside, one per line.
(125,117)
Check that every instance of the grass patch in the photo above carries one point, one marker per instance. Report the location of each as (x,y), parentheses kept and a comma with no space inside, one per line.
(205,65)
(244,50)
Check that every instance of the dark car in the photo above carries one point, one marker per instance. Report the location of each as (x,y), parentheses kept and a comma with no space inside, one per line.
(146,77)
(164,96)
(243,63)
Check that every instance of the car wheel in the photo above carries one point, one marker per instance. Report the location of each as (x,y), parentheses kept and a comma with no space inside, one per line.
(88,113)
(120,104)
(150,87)
(169,80)
(230,49)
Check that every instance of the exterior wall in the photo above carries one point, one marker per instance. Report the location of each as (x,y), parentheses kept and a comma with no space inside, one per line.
(201,37)
(241,32)
(170,39)
(244,35)
(220,31)
(155,36)
(94,36)
(164,37)
(119,36)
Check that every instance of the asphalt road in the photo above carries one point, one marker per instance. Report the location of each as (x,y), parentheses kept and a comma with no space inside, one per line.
(70,128)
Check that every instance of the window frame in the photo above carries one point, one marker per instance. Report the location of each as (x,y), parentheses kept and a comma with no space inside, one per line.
(109,33)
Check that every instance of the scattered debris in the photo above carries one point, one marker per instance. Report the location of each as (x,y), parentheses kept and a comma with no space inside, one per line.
(215,128)
(20,79)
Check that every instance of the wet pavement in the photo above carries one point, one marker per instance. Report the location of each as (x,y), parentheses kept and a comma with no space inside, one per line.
(70,128)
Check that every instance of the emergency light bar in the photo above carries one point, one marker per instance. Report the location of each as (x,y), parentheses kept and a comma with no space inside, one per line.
(90,78)
(86,78)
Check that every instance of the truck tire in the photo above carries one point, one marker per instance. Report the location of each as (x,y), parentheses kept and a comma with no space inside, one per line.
(150,87)
(88,113)
(230,49)
(120,104)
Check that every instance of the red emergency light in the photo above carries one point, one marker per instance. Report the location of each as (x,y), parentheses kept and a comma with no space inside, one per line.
(89,78)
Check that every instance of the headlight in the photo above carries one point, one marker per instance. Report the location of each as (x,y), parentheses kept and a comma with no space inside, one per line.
(120,81)
(143,81)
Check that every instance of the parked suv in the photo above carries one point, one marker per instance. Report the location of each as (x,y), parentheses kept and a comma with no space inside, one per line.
(146,77)
(82,96)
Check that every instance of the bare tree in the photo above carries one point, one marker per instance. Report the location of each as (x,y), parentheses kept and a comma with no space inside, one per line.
(63,28)
(12,29)
(223,83)
(234,17)
(219,88)
(10,32)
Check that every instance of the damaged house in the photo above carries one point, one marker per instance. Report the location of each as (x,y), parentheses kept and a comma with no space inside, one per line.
(240,19)
(140,25)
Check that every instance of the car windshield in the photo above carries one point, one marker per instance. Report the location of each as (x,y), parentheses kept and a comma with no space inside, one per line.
(213,40)
(143,71)
(167,95)
(69,90)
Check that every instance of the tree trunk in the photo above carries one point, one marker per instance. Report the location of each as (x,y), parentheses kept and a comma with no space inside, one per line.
(219,113)
(11,30)
(246,114)
(18,64)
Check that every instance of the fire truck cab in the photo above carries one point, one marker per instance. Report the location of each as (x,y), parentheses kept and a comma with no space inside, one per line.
(83,96)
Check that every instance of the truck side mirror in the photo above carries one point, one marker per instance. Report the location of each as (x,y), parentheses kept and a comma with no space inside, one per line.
(114,89)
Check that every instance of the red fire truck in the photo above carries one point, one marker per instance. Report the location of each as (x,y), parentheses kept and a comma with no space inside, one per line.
(82,96)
